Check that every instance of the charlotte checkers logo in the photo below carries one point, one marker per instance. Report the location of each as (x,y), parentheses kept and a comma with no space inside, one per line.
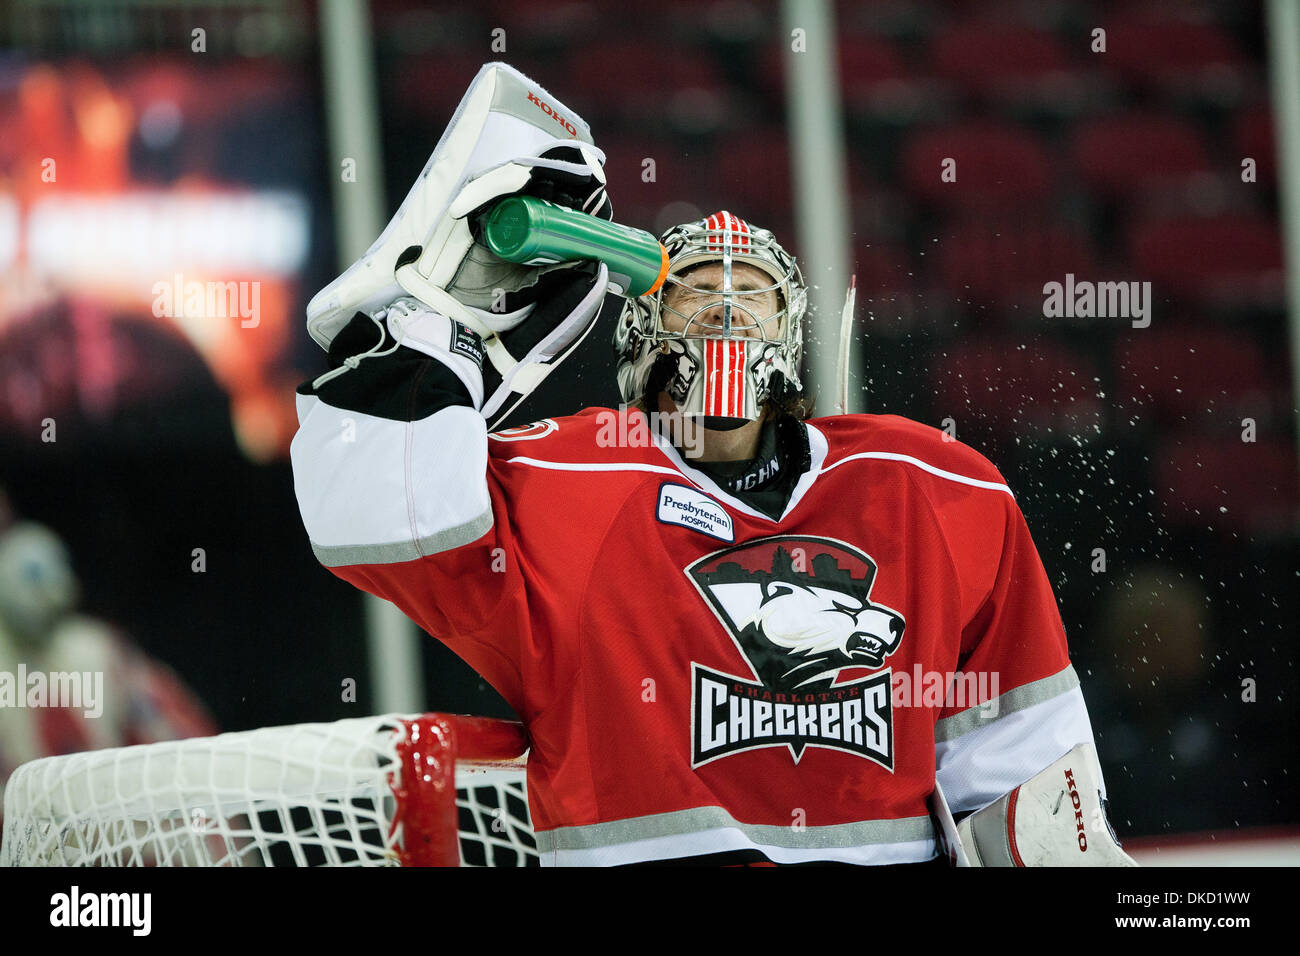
(800,611)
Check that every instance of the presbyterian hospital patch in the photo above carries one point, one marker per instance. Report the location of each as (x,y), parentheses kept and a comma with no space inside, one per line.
(695,510)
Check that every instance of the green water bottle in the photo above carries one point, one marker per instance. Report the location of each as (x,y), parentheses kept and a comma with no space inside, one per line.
(535,232)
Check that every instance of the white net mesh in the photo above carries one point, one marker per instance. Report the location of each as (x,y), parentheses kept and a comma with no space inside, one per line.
(495,829)
(305,795)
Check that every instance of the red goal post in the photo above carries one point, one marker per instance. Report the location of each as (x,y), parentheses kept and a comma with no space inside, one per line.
(395,790)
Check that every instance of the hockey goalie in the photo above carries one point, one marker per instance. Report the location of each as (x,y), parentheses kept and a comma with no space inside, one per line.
(734,634)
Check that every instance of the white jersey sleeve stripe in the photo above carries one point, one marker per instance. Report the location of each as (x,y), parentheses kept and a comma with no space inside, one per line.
(590,466)
(985,763)
(1027,695)
(924,466)
(373,490)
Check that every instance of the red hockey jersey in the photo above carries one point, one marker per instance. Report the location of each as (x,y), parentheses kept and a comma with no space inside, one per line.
(697,678)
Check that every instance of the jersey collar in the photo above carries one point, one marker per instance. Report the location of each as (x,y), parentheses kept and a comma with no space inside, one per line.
(817,448)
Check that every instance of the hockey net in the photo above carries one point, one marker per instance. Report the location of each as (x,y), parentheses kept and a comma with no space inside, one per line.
(393,790)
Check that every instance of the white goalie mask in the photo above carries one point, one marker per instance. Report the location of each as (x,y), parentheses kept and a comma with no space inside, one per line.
(725,352)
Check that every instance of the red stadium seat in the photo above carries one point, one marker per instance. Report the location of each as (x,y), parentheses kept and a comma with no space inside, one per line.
(636,80)
(875,82)
(1229,259)
(1041,391)
(863,61)
(866,61)
(873,78)
(756,168)
(678,177)
(1173,55)
(1216,480)
(882,270)
(754,171)
(1123,155)
(1011,261)
(997,166)
(1253,136)
(1006,63)
(1185,374)
(527,22)
(431,86)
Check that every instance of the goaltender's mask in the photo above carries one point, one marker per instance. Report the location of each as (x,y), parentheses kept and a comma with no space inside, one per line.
(725,331)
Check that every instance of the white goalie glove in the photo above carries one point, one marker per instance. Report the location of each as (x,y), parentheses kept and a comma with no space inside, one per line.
(1057,818)
(507,136)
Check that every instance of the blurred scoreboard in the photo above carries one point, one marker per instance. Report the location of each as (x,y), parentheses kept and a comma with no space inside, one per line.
(156,218)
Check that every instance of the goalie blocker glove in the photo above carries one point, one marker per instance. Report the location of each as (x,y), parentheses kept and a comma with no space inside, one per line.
(1057,818)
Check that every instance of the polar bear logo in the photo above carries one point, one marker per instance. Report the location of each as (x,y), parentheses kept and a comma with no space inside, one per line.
(800,628)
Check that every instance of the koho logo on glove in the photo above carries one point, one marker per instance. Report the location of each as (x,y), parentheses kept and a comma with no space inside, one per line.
(546,108)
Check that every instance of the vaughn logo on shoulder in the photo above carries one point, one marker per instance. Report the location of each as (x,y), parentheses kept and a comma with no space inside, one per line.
(76,908)
(800,611)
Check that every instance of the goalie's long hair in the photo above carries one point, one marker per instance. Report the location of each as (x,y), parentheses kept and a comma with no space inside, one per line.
(786,402)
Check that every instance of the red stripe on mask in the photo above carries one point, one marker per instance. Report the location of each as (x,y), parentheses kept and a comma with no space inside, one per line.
(738,380)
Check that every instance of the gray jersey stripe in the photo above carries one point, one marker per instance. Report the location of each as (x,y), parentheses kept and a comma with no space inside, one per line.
(343,555)
(1027,695)
(863,833)
(992,842)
